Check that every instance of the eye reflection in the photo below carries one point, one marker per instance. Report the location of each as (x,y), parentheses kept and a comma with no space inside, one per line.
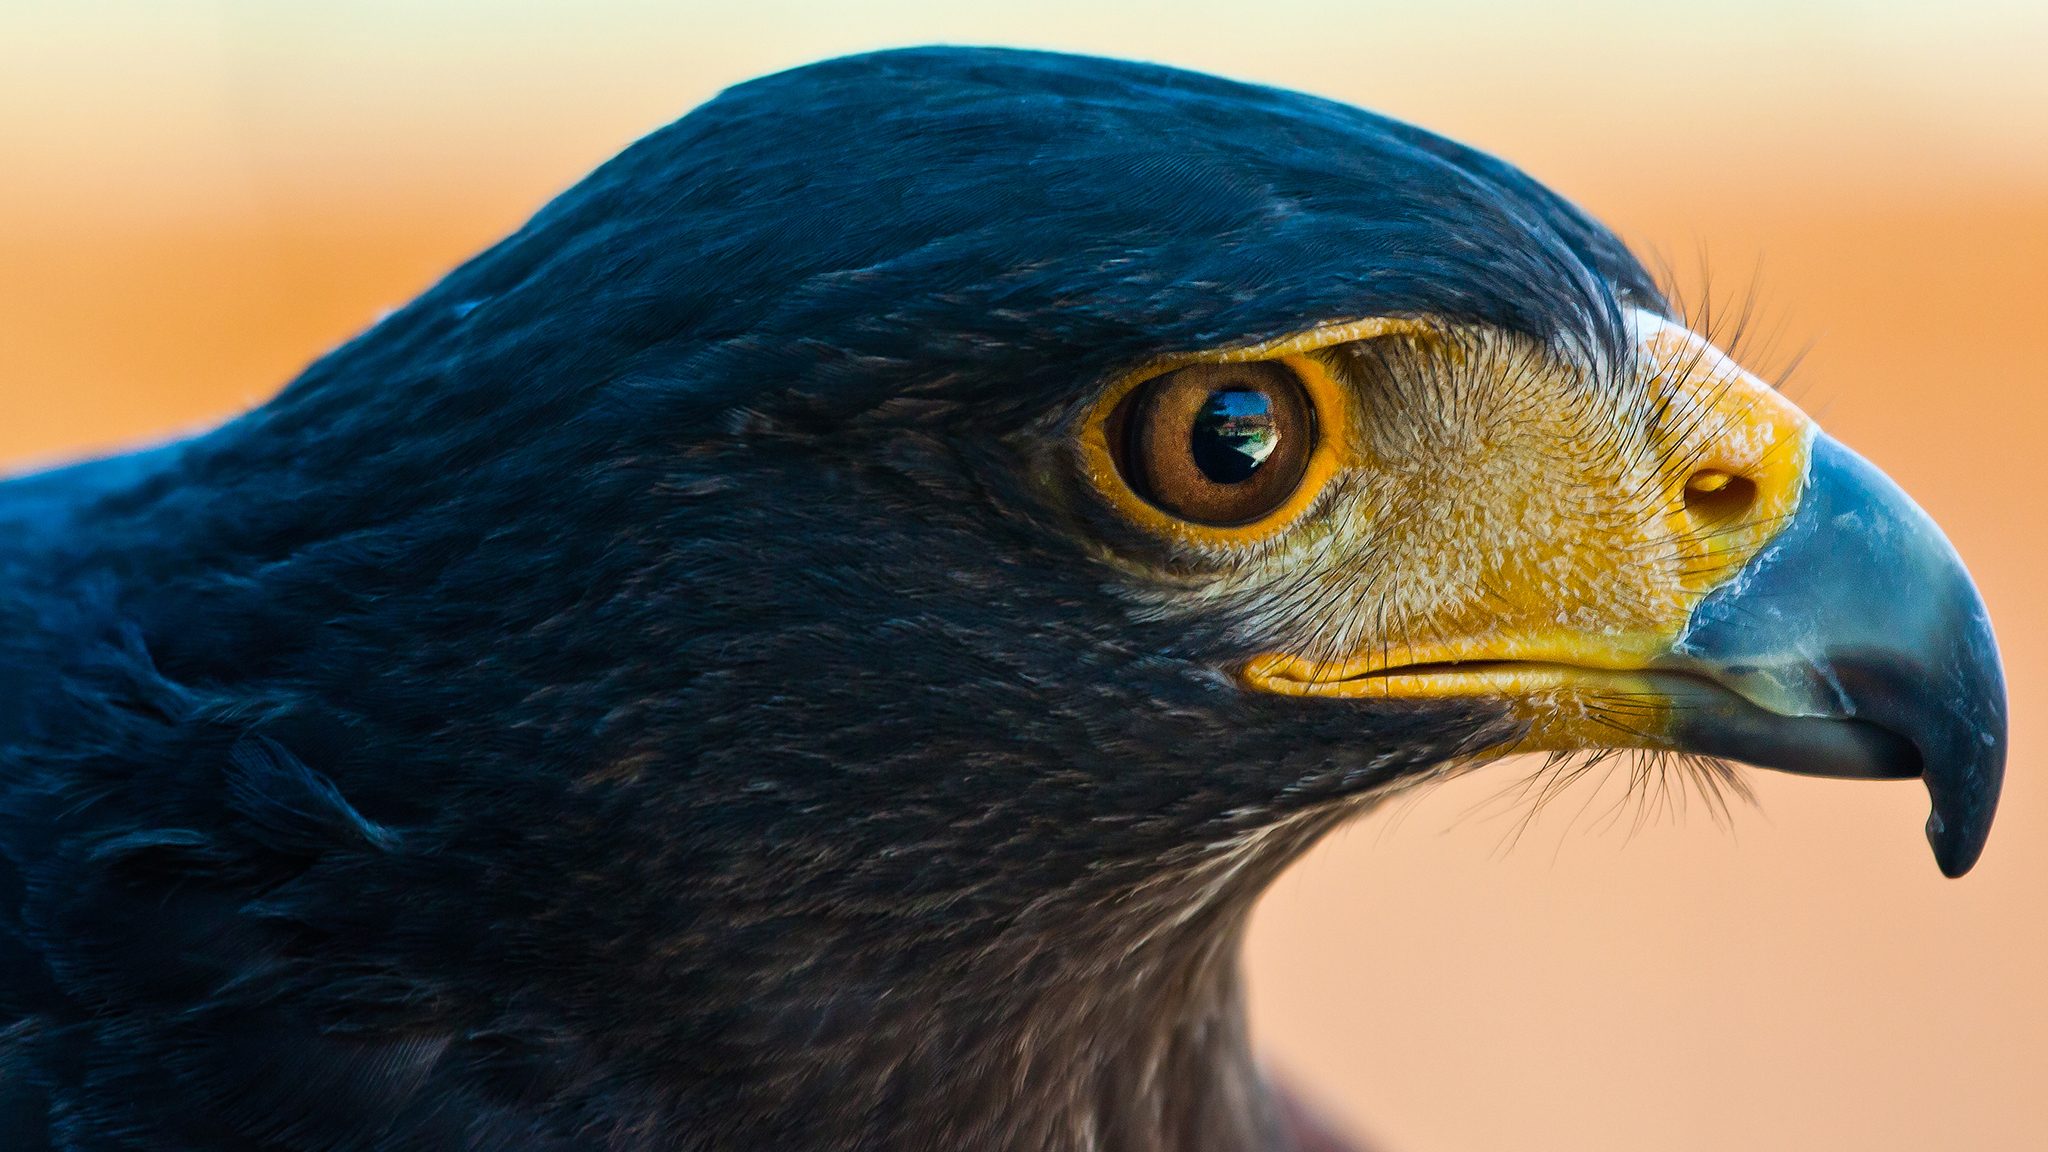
(1216,444)
(1233,434)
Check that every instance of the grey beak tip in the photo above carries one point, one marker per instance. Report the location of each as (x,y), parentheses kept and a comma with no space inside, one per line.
(1861,611)
(1955,854)
(1960,822)
(1952,863)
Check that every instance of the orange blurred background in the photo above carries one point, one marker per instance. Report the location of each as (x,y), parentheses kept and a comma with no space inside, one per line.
(196,198)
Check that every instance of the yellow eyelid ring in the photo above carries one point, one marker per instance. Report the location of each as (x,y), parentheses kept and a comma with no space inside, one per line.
(1329,400)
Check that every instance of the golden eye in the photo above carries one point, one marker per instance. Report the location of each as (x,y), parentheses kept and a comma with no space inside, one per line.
(1217,444)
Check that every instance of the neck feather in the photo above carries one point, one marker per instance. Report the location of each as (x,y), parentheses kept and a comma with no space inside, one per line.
(1118,1026)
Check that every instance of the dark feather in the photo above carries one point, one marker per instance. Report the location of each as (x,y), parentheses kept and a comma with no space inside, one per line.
(655,690)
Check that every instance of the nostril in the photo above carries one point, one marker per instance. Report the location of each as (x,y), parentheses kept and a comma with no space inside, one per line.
(1714,496)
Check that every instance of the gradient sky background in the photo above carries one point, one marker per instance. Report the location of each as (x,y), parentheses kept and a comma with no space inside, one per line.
(196,198)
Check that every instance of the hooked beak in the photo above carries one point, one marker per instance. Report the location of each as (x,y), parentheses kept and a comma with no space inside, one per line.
(1853,644)
(1841,637)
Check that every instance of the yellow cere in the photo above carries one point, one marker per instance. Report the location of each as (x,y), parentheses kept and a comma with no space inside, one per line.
(1494,518)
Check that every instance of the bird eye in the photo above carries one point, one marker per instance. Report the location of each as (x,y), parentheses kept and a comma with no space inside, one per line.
(1218,444)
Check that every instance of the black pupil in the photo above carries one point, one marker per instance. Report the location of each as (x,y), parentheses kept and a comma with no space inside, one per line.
(1234,432)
